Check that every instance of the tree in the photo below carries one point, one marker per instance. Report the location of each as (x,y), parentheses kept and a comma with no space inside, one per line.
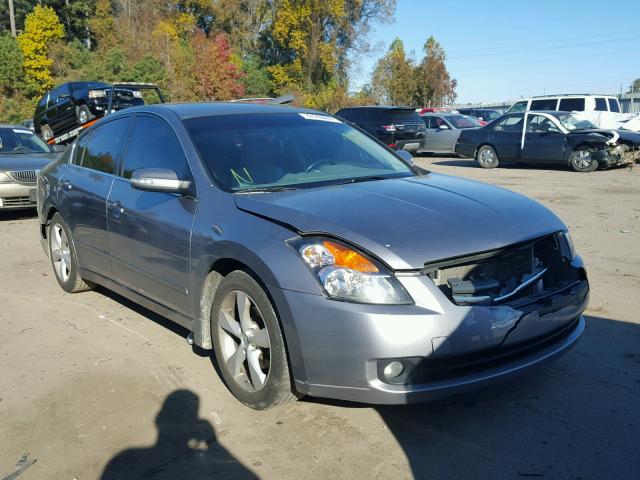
(310,41)
(393,81)
(216,76)
(635,86)
(102,25)
(11,75)
(434,85)
(256,80)
(41,28)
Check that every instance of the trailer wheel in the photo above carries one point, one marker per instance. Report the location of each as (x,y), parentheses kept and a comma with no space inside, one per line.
(46,133)
(83,114)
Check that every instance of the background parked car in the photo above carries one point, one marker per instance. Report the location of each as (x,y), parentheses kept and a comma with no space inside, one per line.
(73,104)
(443,130)
(22,155)
(549,137)
(568,103)
(28,123)
(400,128)
(483,115)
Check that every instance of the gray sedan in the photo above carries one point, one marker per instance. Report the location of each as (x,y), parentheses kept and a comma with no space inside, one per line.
(310,258)
(443,131)
(22,155)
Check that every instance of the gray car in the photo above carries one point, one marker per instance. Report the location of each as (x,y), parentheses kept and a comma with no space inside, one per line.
(22,155)
(443,131)
(310,258)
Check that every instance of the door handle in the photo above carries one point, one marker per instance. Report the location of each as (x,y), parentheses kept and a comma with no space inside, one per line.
(66,185)
(116,208)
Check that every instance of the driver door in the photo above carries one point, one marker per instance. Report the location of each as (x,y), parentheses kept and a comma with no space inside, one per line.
(543,141)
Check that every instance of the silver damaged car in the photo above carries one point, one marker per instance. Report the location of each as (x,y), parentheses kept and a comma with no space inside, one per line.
(312,259)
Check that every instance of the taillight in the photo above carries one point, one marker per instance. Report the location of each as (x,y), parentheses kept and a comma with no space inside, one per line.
(392,145)
(389,128)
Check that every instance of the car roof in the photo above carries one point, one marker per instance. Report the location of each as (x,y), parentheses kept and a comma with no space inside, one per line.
(442,114)
(206,109)
(379,107)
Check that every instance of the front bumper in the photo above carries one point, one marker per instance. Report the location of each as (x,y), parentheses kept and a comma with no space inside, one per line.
(618,155)
(17,196)
(340,347)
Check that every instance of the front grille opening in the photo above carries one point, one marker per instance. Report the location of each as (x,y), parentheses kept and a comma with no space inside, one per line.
(527,271)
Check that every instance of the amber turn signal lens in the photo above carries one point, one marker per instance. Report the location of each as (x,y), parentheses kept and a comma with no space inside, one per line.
(345,257)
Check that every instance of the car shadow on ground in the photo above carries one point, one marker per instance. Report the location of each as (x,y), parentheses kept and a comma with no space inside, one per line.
(576,417)
(186,448)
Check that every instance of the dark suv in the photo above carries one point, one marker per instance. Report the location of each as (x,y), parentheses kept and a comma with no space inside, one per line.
(400,128)
(76,103)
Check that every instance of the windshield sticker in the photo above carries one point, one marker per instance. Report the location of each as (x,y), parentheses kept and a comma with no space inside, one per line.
(240,179)
(322,118)
(17,130)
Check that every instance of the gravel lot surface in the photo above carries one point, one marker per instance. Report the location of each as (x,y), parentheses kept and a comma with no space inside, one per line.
(93,386)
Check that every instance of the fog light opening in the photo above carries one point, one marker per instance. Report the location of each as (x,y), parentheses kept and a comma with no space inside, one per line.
(393,370)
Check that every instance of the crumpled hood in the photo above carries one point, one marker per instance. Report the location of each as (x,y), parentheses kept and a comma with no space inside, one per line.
(25,161)
(407,222)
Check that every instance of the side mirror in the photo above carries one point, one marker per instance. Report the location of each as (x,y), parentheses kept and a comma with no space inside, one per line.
(406,156)
(160,180)
(443,127)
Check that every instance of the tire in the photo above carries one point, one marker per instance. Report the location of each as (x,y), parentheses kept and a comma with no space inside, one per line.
(249,349)
(487,157)
(63,257)
(582,160)
(83,114)
(45,132)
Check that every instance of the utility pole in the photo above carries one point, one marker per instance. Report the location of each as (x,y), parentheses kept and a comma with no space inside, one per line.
(12,19)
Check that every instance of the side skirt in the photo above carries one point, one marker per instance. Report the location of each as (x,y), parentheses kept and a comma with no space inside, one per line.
(152,305)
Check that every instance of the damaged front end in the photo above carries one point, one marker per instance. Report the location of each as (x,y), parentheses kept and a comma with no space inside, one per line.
(621,154)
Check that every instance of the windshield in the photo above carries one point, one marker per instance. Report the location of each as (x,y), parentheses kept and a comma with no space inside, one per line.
(571,122)
(462,121)
(262,151)
(489,115)
(18,140)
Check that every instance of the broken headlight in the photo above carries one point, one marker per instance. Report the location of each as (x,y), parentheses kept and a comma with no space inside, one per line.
(346,274)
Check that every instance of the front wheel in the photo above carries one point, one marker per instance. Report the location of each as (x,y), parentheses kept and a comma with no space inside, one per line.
(487,157)
(248,343)
(63,257)
(582,160)
(83,114)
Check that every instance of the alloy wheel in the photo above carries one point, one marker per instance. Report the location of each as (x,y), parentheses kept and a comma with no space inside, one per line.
(60,253)
(486,157)
(82,117)
(245,344)
(582,159)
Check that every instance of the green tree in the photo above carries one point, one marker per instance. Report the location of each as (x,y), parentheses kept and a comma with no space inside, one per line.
(635,86)
(393,81)
(309,41)
(42,27)
(257,81)
(11,75)
(434,85)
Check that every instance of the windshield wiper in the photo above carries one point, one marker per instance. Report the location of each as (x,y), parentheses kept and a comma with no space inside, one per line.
(265,189)
(369,178)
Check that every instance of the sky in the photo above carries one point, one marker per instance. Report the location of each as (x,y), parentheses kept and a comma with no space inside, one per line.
(503,50)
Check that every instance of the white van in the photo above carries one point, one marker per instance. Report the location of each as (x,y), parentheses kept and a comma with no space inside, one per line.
(568,103)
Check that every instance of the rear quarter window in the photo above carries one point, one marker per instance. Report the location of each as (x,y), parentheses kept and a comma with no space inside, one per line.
(614,106)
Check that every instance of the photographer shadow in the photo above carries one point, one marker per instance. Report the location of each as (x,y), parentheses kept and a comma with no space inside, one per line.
(186,448)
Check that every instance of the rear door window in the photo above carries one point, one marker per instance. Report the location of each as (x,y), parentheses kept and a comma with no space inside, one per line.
(80,149)
(105,145)
(572,105)
(546,104)
(512,123)
(601,104)
(614,106)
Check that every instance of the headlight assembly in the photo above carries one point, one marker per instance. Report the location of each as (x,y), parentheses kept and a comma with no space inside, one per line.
(567,247)
(346,274)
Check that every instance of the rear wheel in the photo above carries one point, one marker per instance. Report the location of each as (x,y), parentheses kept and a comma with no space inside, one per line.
(46,133)
(582,160)
(63,257)
(248,343)
(83,114)
(487,157)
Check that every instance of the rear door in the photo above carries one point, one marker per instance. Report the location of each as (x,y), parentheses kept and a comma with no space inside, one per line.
(149,232)
(65,108)
(506,136)
(85,188)
(543,141)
